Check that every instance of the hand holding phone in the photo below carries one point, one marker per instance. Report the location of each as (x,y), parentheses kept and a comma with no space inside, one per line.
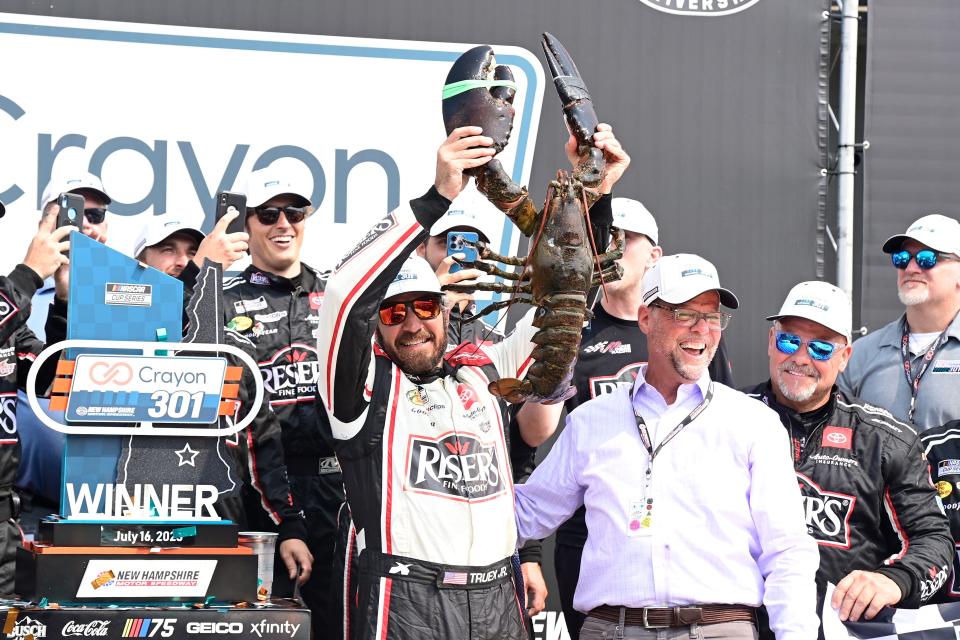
(464,242)
(228,202)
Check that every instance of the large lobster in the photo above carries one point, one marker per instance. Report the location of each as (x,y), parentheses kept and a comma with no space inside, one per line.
(562,265)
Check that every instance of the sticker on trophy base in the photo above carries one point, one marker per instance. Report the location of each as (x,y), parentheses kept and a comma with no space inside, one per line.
(146,579)
(147,536)
(146,389)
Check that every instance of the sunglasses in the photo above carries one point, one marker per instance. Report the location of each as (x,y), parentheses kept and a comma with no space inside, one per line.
(94,215)
(269,215)
(821,350)
(423,308)
(926,258)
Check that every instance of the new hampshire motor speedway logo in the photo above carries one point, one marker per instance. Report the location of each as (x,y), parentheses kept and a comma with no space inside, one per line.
(700,7)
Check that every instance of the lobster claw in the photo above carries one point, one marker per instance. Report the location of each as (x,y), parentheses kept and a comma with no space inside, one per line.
(480,93)
(577,109)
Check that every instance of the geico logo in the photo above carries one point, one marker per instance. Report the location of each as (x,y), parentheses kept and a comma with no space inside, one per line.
(177,378)
(156,154)
(214,627)
(118,373)
(287,376)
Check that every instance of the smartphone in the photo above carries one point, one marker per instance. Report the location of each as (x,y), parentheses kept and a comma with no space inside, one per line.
(464,242)
(71,210)
(227,201)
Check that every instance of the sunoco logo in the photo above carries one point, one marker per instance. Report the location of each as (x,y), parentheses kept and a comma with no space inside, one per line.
(700,7)
(827,513)
(458,467)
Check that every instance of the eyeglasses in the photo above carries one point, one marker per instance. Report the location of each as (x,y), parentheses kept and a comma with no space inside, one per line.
(926,258)
(716,320)
(423,308)
(821,350)
(94,215)
(269,215)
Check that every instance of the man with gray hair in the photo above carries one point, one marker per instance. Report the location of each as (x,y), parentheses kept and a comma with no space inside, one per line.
(862,474)
(912,365)
(649,566)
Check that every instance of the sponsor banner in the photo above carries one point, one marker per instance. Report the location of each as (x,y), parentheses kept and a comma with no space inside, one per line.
(119,579)
(146,389)
(157,151)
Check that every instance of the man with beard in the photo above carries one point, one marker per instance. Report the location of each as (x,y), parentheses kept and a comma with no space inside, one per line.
(419,437)
(912,365)
(863,476)
(645,462)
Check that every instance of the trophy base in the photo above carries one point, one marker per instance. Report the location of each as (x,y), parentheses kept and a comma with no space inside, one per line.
(64,533)
(114,575)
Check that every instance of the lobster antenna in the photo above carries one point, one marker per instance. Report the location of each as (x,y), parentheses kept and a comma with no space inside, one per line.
(593,244)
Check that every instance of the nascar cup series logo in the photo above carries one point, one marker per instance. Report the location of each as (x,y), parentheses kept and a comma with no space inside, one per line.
(700,7)
(454,466)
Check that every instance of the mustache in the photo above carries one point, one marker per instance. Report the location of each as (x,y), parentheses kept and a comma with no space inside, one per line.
(408,337)
(806,370)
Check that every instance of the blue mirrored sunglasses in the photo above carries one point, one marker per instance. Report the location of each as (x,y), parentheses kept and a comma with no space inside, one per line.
(790,343)
(926,258)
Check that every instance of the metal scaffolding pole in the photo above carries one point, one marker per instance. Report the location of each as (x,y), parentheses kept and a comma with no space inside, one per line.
(846,136)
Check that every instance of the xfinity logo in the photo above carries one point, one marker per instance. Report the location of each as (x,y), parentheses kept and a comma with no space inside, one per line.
(827,513)
(286,627)
(700,7)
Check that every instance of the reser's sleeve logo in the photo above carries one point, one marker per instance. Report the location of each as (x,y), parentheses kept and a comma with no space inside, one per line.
(700,7)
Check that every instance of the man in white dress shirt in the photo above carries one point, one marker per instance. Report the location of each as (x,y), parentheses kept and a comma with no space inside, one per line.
(691,502)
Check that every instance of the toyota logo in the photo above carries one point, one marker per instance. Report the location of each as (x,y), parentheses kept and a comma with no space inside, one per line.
(837,438)
(119,373)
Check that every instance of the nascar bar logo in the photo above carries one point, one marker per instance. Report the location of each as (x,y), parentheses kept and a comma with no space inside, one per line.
(700,7)
(457,467)
(149,627)
(827,513)
(129,295)
(28,628)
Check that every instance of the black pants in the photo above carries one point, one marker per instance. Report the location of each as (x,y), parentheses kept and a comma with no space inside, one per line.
(414,607)
(566,563)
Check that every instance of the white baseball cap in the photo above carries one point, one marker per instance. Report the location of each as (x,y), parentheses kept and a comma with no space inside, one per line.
(820,302)
(472,210)
(161,227)
(415,276)
(681,277)
(73,183)
(266,184)
(631,215)
(936,231)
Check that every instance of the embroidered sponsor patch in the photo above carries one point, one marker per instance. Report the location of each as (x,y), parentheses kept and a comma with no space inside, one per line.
(948,467)
(454,466)
(243,306)
(944,489)
(837,437)
(827,513)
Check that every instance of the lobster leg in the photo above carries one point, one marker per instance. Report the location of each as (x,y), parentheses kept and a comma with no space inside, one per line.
(613,272)
(512,199)
(491,269)
(616,252)
(496,306)
(487,254)
(496,287)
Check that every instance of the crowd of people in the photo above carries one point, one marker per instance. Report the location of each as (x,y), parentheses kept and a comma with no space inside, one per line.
(411,506)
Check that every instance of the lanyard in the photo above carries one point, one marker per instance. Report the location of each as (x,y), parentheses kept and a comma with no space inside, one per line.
(647,520)
(914,381)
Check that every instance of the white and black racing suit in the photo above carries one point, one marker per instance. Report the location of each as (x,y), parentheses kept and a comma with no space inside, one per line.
(424,459)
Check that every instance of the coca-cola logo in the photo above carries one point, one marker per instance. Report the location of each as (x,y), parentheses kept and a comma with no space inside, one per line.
(459,467)
(92,629)
(827,513)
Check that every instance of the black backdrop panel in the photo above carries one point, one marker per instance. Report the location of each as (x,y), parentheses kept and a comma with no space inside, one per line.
(912,121)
